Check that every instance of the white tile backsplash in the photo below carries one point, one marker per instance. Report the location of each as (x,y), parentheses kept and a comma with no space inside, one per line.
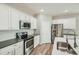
(6,35)
(30,32)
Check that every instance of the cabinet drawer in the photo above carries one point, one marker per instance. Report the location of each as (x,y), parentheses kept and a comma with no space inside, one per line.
(7,50)
(19,44)
(18,50)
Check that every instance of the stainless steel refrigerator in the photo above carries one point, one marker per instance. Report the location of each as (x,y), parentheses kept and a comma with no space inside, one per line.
(56,31)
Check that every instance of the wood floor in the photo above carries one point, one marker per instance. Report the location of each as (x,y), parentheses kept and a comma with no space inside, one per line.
(43,49)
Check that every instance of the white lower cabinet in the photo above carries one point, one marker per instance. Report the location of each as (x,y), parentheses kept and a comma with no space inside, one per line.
(36,40)
(15,49)
(7,51)
(18,49)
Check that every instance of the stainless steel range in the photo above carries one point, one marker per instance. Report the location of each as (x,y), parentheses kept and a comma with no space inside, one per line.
(28,42)
(28,45)
(21,35)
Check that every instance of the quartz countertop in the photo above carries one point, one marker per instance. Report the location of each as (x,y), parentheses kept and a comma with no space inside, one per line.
(13,41)
(9,42)
(58,52)
(71,42)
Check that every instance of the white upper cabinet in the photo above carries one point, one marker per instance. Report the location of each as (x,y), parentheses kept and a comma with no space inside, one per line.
(22,16)
(28,18)
(15,17)
(33,23)
(10,17)
(4,17)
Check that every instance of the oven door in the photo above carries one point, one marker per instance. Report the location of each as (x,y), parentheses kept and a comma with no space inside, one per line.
(29,43)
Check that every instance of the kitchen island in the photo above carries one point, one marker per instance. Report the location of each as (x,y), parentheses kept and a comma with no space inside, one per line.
(71,43)
(55,51)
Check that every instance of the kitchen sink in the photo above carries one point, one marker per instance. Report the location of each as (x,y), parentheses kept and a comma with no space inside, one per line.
(65,47)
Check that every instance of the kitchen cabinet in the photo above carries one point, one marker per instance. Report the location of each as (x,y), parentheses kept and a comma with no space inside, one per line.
(15,49)
(17,16)
(28,18)
(18,48)
(22,16)
(4,17)
(36,40)
(14,19)
(7,50)
(33,23)
(10,17)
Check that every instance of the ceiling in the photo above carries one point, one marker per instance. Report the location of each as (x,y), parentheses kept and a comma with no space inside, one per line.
(52,9)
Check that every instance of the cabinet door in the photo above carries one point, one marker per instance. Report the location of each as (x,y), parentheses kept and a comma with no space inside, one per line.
(36,40)
(19,48)
(7,51)
(28,18)
(4,17)
(33,23)
(22,16)
(25,17)
(14,19)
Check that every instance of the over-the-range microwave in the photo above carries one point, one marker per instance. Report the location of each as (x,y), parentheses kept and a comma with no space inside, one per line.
(24,25)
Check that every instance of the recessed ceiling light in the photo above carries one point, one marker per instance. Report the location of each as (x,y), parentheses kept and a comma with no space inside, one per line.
(66,10)
(42,10)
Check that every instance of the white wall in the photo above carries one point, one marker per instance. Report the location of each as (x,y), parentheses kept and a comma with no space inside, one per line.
(68,23)
(45,28)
